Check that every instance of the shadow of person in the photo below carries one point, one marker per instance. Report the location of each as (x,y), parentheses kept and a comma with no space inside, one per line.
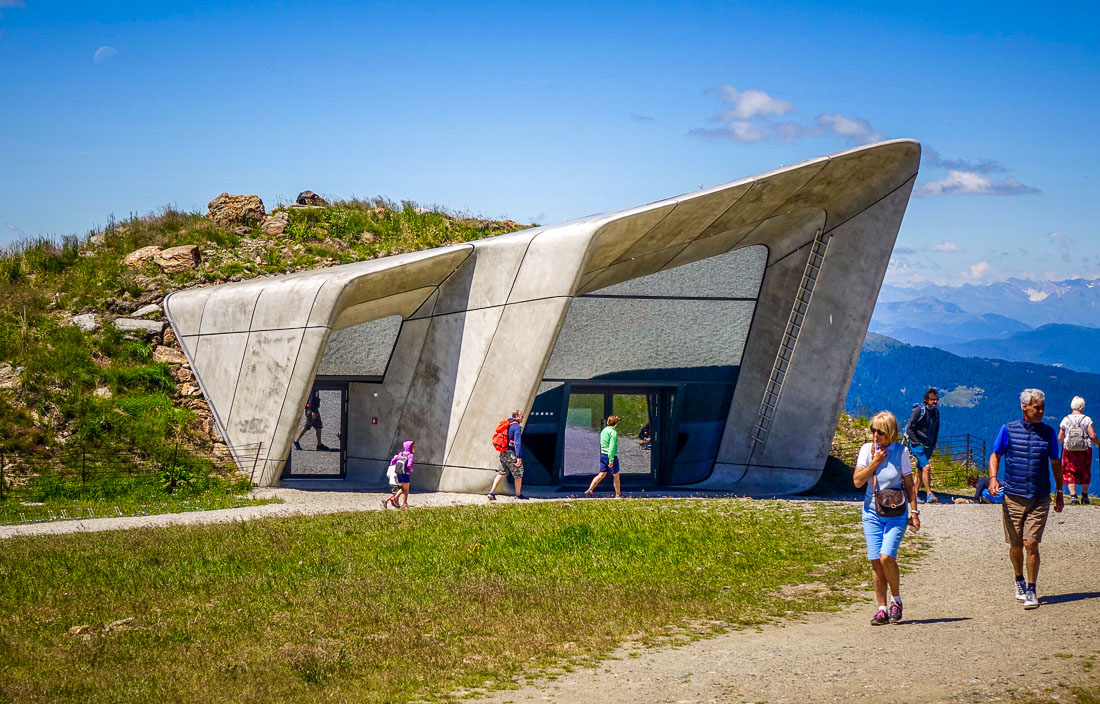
(924,621)
(1066,598)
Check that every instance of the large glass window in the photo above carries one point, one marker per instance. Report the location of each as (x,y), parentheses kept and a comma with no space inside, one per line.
(361,350)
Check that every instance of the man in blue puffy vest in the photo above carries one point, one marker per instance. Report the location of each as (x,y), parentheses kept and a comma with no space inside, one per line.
(1031,451)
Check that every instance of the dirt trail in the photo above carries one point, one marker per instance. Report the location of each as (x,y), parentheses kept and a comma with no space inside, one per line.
(964,638)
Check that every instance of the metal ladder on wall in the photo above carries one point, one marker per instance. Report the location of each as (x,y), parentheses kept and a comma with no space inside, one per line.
(789,342)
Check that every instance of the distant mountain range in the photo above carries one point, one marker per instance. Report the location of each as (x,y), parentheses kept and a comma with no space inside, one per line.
(1069,346)
(977,395)
(931,321)
(1035,303)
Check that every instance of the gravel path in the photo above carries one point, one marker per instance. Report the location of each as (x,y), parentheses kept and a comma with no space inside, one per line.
(965,638)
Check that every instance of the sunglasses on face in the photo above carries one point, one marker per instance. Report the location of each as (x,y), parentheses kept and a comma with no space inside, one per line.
(876,431)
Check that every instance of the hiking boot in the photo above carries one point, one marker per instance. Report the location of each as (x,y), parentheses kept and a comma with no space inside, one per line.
(322,446)
(520,497)
(1031,601)
(1085,499)
(587,494)
(1073,500)
(895,612)
(491,496)
(1021,591)
(880,619)
(297,445)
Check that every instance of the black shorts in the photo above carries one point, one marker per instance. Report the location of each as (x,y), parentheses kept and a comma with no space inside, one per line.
(313,420)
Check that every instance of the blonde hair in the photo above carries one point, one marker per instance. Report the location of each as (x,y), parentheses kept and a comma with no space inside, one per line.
(886,422)
(612,420)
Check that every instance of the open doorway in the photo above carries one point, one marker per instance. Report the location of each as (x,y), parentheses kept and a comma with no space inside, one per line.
(319,449)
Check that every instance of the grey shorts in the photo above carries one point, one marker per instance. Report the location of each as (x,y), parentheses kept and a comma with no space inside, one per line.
(313,420)
(508,464)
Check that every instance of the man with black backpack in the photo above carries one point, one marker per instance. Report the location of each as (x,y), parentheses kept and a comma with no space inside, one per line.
(921,433)
(507,440)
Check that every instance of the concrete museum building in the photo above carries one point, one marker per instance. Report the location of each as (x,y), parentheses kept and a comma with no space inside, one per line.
(728,320)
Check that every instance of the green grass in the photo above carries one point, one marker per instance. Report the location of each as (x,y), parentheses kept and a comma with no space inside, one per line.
(401,606)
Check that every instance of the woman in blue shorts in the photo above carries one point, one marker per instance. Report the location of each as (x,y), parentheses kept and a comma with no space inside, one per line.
(884,464)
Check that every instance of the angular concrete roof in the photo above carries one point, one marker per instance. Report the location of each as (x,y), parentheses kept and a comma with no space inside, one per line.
(829,224)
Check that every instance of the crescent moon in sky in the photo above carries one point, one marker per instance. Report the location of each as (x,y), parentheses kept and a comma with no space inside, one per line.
(104,53)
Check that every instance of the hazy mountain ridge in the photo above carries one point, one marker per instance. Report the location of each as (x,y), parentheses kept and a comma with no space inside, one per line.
(930,321)
(1058,344)
(978,395)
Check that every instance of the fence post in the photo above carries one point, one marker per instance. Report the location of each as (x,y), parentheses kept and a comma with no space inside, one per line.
(252,477)
(1,476)
(969,457)
(83,464)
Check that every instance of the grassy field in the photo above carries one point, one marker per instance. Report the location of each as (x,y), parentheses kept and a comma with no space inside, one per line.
(403,605)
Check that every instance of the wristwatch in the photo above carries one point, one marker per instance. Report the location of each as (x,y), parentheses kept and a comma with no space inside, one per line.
(915,512)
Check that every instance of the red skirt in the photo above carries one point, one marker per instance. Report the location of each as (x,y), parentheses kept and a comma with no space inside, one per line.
(1077,466)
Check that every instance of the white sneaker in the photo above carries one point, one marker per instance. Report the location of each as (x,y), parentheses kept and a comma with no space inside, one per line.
(1021,591)
(1031,601)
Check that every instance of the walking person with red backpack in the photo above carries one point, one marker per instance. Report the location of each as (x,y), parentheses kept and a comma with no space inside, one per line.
(508,441)
(1077,437)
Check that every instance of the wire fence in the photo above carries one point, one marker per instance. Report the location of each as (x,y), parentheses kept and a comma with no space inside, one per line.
(957,459)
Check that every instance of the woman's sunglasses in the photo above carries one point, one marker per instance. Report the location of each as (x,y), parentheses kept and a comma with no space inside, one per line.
(876,431)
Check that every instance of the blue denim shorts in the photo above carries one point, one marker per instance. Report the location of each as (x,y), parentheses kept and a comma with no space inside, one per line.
(922,454)
(403,478)
(883,535)
(613,469)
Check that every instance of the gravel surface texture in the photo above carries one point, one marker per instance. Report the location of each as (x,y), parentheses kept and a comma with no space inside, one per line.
(964,637)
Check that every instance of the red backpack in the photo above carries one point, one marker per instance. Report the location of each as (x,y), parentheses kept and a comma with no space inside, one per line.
(500,435)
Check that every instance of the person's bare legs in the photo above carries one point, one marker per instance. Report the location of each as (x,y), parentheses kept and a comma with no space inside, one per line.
(878,576)
(1016,557)
(927,475)
(519,486)
(496,482)
(405,494)
(596,482)
(1031,553)
(618,486)
(1070,487)
(885,574)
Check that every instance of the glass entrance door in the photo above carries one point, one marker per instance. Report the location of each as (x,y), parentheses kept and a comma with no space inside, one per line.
(640,424)
(318,450)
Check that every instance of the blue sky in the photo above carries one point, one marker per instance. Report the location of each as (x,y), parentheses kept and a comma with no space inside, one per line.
(547,112)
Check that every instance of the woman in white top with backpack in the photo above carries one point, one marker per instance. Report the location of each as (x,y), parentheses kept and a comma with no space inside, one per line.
(883,466)
(1077,437)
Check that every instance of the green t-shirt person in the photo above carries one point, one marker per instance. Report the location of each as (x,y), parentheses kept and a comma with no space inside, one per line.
(609,442)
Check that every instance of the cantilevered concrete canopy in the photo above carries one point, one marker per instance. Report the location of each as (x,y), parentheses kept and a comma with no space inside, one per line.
(480,321)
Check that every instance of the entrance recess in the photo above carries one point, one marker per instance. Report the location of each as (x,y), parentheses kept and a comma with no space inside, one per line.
(324,458)
(644,418)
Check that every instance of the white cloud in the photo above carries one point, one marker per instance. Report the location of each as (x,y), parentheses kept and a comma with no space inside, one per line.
(854,129)
(904,250)
(980,271)
(104,53)
(945,247)
(972,183)
(750,103)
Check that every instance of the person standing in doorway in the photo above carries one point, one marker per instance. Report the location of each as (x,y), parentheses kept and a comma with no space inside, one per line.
(511,459)
(609,458)
(1077,436)
(921,433)
(313,420)
(1031,452)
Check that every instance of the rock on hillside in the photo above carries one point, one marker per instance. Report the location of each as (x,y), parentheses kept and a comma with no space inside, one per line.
(227,210)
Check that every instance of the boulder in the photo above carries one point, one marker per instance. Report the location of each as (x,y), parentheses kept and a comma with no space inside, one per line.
(9,376)
(176,259)
(97,239)
(140,257)
(183,375)
(276,224)
(310,198)
(147,328)
(167,354)
(169,337)
(145,310)
(189,389)
(228,210)
(86,322)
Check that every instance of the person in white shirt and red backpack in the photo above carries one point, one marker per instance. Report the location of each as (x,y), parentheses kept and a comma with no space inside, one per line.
(1077,436)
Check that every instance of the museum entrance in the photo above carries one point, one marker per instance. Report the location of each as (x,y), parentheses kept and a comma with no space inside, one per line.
(645,418)
(319,448)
